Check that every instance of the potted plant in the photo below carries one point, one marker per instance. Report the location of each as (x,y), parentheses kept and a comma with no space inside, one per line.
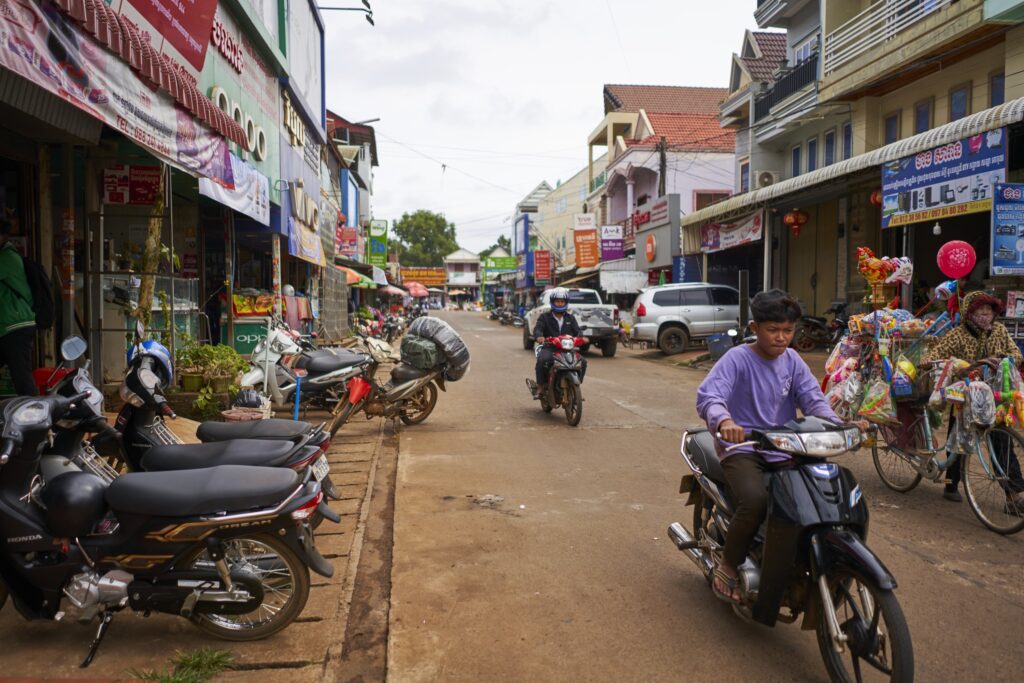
(187,360)
(225,366)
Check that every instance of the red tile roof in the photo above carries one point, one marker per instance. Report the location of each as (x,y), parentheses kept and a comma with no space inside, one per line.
(689,132)
(663,98)
(773,53)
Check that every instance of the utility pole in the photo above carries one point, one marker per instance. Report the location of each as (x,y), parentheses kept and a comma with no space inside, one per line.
(662,165)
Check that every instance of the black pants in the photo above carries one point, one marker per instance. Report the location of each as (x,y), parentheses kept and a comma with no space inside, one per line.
(16,354)
(744,472)
(1003,454)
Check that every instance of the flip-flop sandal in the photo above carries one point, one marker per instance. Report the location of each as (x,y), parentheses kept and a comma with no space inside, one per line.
(730,583)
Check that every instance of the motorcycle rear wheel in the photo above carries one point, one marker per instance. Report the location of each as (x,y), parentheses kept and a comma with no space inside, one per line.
(283,575)
(422,402)
(890,658)
(573,402)
(803,341)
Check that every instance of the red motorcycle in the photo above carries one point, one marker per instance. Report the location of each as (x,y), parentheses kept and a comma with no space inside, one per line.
(565,378)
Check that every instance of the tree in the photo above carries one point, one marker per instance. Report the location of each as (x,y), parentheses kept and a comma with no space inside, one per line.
(503,243)
(424,238)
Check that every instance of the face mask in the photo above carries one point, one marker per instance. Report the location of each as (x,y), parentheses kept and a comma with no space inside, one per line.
(983,318)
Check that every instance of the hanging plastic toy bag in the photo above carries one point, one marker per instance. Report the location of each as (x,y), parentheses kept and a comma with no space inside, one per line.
(943,378)
(980,405)
(878,406)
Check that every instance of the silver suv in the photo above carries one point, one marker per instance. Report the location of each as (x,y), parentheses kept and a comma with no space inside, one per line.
(674,315)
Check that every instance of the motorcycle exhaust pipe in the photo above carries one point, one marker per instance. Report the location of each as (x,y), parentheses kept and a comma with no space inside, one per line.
(685,542)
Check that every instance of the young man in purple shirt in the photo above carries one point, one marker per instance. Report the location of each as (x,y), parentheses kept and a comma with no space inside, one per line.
(755,386)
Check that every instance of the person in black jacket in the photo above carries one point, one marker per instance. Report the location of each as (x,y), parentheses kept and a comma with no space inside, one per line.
(554,323)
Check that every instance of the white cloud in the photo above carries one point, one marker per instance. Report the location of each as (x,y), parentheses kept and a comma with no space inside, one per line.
(520,81)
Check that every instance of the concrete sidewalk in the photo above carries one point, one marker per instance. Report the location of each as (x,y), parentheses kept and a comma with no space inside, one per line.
(308,650)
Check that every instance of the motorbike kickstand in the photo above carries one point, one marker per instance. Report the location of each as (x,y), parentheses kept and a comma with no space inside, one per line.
(100,632)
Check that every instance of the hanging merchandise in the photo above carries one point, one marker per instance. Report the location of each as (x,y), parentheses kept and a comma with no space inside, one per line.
(878,406)
(956,259)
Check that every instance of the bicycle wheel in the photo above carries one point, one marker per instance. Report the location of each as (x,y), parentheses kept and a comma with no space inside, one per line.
(892,466)
(878,646)
(989,474)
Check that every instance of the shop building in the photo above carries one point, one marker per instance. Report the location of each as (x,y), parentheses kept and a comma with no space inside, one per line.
(525,244)
(463,276)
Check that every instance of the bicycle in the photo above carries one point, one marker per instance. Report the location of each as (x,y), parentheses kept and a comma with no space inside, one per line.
(905,454)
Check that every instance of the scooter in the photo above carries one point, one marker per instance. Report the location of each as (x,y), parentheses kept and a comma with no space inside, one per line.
(813,331)
(810,558)
(565,378)
(228,548)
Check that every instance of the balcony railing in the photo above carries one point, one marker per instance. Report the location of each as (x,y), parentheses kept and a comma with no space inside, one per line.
(800,76)
(598,181)
(879,23)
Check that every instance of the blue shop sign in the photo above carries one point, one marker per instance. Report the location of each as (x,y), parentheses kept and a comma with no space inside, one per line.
(1007,257)
(951,180)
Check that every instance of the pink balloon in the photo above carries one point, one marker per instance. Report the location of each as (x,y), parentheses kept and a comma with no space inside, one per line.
(956,259)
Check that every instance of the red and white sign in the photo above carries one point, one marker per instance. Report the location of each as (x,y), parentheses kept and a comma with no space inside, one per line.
(542,267)
(588,247)
(124,184)
(650,248)
(228,45)
(184,24)
(720,236)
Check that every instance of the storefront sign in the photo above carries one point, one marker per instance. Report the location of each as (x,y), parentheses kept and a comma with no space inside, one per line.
(650,248)
(500,264)
(584,221)
(428,277)
(1007,257)
(719,236)
(686,269)
(185,24)
(37,43)
(587,248)
(641,218)
(346,238)
(293,122)
(304,209)
(659,241)
(467,279)
(255,136)
(378,243)
(659,213)
(228,45)
(123,184)
(622,281)
(250,195)
(951,180)
(612,244)
(541,267)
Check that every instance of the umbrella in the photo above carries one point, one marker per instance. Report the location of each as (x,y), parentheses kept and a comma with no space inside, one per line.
(457,292)
(416,289)
(391,290)
(355,279)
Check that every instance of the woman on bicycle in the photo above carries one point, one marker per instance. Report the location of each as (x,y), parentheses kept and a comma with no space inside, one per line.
(979,337)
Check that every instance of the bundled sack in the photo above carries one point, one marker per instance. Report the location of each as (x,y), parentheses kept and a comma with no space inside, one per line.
(420,352)
(454,349)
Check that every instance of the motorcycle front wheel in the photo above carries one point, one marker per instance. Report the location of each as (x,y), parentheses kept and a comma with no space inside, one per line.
(419,407)
(878,646)
(282,575)
(572,399)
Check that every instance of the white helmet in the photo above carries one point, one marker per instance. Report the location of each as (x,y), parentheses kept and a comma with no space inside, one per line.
(288,290)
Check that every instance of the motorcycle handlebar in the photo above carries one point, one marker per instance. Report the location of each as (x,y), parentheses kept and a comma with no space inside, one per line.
(7,451)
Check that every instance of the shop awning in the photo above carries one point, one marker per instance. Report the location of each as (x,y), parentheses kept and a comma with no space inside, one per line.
(379,276)
(391,290)
(457,292)
(417,290)
(435,290)
(352,264)
(989,119)
(577,279)
(354,279)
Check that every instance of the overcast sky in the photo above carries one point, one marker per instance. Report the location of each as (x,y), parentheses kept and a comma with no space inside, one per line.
(503,93)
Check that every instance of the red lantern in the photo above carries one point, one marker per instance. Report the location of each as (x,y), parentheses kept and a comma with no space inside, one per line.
(876,198)
(795,219)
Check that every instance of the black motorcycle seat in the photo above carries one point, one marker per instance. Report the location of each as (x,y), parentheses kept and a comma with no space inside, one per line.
(702,450)
(819,318)
(195,456)
(403,372)
(229,488)
(276,429)
(322,362)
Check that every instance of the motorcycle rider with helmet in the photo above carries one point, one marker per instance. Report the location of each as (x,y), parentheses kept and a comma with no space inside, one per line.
(554,323)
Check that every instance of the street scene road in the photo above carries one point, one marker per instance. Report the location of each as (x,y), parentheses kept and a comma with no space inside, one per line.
(525,549)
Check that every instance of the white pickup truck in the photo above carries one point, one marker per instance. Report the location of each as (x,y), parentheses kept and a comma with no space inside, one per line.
(599,323)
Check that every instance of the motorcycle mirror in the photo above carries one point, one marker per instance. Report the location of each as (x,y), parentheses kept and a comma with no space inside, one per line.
(72,349)
(140,330)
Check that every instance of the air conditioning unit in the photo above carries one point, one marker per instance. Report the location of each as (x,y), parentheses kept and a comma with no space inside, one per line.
(765,178)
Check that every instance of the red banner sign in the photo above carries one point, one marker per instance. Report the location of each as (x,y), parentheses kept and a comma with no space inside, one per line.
(588,251)
(185,24)
(542,267)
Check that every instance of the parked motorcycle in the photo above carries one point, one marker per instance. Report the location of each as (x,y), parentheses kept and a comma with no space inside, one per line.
(813,331)
(565,378)
(228,548)
(278,361)
(810,557)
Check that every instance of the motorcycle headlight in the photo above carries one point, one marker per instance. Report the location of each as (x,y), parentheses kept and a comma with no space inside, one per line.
(31,414)
(788,442)
(568,344)
(825,444)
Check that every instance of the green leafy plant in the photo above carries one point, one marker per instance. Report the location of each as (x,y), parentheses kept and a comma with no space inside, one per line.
(207,404)
(197,666)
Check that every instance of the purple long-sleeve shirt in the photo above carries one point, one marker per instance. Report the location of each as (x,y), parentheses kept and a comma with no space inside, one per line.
(758,393)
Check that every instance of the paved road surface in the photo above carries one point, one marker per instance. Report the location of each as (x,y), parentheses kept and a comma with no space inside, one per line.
(529,550)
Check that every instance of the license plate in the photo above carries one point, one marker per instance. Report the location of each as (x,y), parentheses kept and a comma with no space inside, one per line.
(321,468)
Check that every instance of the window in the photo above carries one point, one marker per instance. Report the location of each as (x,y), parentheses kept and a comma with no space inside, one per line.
(561,205)
(693,297)
(668,297)
(847,140)
(996,89)
(830,148)
(805,50)
(723,296)
(705,199)
(891,128)
(583,296)
(796,161)
(812,154)
(745,176)
(922,116)
(959,102)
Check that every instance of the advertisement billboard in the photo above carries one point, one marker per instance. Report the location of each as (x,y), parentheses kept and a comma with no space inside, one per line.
(721,236)
(378,255)
(950,180)
(1007,257)
(612,243)
(542,267)
(587,247)
(428,277)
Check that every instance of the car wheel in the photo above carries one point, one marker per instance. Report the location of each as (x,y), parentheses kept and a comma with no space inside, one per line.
(673,340)
(609,347)
(527,341)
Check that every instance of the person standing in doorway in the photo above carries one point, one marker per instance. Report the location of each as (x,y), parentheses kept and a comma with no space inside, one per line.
(17,317)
